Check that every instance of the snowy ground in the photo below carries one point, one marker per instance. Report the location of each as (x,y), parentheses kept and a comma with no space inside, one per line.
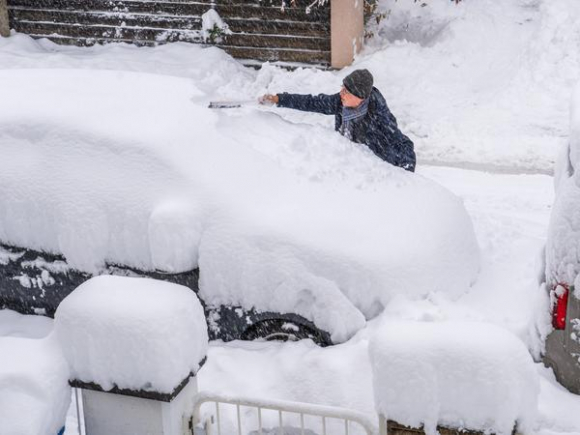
(511,214)
(504,110)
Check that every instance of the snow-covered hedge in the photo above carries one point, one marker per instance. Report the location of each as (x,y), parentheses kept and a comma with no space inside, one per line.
(457,374)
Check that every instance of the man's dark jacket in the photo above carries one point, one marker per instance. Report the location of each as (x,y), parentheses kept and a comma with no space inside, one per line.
(377,129)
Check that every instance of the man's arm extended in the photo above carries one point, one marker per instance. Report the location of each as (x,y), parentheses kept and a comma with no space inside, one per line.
(322,103)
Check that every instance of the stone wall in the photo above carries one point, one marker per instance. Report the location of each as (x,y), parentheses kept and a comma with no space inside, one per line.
(262,30)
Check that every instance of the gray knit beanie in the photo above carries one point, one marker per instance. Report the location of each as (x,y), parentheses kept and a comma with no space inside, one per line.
(359,83)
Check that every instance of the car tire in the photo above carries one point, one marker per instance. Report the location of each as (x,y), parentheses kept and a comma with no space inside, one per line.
(284,330)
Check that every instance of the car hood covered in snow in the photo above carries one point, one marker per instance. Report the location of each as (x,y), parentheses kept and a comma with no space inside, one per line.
(132,168)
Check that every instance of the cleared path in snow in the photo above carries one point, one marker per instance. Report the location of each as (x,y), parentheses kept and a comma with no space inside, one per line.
(487,167)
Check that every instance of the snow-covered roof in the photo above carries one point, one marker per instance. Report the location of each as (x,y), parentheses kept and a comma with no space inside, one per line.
(133,168)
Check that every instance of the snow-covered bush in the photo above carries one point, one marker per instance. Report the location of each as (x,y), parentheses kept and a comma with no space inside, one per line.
(213,27)
(457,374)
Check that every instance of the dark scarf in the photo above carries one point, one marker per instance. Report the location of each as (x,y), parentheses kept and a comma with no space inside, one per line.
(351,114)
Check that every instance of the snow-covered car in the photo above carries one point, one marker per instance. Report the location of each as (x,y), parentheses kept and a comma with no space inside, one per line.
(562,351)
(283,229)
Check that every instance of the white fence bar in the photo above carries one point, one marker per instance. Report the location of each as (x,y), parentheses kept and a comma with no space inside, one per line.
(280,422)
(219,425)
(282,406)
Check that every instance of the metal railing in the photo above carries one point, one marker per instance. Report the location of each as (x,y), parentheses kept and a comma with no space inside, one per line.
(302,410)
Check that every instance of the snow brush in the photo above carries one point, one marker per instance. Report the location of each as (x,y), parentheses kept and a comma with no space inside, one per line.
(231,104)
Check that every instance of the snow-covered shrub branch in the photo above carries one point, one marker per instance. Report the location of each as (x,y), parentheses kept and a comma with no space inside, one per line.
(213,27)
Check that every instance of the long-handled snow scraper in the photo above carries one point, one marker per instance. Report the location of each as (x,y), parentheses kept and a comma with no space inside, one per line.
(231,104)
(250,103)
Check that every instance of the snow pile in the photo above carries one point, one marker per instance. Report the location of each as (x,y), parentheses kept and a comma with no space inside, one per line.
(34,390)
(279,217)
(96,182)
(296,371)
(562,264)
(407,21)
(133,333)
(13,324)
(457,374)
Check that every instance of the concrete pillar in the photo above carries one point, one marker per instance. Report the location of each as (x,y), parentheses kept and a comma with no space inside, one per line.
(346,30)
(4,26)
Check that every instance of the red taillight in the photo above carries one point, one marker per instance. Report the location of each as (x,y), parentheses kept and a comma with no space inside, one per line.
(560,306)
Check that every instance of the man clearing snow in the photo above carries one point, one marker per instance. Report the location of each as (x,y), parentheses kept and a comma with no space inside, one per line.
(361,114)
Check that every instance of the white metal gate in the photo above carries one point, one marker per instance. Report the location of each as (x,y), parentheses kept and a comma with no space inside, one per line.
(351,422)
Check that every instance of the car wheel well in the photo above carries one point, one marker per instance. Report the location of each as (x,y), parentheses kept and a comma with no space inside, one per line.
(282,329)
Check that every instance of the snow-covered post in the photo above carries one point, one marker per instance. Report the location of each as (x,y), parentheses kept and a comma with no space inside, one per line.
(457,375)
(134,347)
(4,26)
(346,29)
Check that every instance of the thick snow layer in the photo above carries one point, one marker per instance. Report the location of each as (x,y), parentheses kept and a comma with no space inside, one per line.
(279,217)
(510,215)
(574,155)
(562,261)
(562,247)
(133,333)
(13,324)
(34,390)
(474,375)
(447,99)
(569,156)
(558,408)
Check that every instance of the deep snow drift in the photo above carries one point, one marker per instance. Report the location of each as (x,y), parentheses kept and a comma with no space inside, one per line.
(100,181)
(34,390)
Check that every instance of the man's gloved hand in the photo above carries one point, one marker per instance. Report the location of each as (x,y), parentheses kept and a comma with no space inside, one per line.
(268,99)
